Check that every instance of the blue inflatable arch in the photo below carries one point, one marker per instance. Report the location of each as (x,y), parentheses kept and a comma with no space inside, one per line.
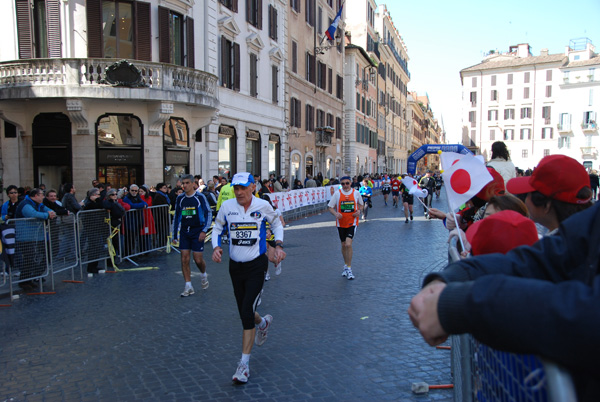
(433,149)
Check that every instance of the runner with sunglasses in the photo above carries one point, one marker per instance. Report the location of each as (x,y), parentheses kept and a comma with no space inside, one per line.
(346,205)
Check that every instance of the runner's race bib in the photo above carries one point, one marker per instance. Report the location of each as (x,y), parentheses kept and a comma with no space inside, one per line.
(244,233)
(346,206)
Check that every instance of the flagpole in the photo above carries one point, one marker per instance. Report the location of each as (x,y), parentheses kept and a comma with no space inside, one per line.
(453,214)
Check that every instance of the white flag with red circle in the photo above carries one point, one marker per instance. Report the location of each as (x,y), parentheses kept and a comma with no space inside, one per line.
(450,158)
(464,179)
(409,182)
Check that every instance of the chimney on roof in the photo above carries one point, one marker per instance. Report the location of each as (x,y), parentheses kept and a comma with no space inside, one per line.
(544,52)
(523,50)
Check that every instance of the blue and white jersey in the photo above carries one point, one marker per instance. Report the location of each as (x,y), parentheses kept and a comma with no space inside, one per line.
(193,212)
(247,230)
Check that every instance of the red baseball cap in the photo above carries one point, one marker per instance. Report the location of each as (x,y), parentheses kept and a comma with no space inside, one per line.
(495,187)
(501,232)
(556,176)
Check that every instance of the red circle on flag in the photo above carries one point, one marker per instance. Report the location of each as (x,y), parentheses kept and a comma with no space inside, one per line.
(455,161)
(460,181)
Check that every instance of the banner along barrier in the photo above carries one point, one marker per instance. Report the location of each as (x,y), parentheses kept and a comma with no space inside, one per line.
(482,373)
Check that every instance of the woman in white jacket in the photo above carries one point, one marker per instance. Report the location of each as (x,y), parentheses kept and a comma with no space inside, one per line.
(501,161)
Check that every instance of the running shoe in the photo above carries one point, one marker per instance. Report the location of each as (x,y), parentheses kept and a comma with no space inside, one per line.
(406,221)
(187,292)
(350,274)
(345,271)
(267,277)
(242,373)
(278,269)
(411,218)
(204,283)
(261,334)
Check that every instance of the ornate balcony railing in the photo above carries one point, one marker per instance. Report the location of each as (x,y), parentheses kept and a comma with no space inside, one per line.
(87,78)
(324,136)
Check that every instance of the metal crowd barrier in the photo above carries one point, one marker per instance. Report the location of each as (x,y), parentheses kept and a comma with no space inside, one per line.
(29,262)
(144,230)
(93,232)
(482,373)
(63,240)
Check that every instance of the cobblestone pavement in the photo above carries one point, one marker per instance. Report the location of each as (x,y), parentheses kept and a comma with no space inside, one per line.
(130,336)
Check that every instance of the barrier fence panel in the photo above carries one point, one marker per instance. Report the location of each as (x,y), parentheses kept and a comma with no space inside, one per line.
(94,230)
(30,259)
(482,373)
(144,230)
(63,238)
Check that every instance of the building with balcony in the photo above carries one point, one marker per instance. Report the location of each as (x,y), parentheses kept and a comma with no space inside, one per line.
(360,140)
(314,91)
(249,46)
(393,91)
(538,105)
(116,90)
(577,120)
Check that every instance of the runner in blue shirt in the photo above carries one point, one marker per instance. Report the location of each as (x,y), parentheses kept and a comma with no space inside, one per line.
(193,212)
(366,192)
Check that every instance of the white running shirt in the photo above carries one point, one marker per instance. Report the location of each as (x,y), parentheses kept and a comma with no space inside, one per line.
(246,229)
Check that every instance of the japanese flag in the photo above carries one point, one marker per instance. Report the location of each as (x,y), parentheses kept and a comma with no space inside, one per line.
(418,191)
(464,179)
(409,182)
(450,158)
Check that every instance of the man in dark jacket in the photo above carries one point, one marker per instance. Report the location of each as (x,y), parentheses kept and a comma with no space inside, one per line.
(161,214)
(51,202)
(541,299)
(69,201)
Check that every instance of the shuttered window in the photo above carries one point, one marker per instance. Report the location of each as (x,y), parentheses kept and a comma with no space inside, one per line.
(254,13)
(119,29)
(230,64)
(253,75)
(275,84)
(175,38)
(38,29)
(272,22)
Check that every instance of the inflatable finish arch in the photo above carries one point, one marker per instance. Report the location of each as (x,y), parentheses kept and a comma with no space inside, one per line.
(433,149)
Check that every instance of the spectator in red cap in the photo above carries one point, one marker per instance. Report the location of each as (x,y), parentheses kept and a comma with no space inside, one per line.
(541,299)
(501,232)
(558,188)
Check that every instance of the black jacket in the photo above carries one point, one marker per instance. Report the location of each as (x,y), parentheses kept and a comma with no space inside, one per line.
(542,299)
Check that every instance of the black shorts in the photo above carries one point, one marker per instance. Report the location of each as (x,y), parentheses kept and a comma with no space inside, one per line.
(386,190)
(395,193)
(346,233)
(409,199)
(247,279)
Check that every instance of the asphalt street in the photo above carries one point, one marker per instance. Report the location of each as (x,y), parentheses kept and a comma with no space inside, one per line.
(129,336)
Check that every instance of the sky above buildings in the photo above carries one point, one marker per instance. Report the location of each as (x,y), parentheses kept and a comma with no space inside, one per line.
(444,37)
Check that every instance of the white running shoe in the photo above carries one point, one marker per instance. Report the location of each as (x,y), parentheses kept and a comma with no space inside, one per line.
(187,292)
(267,277)
(204,283)
(242,373)
(345,271)
(350,275)
(261,334)
(278,269)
